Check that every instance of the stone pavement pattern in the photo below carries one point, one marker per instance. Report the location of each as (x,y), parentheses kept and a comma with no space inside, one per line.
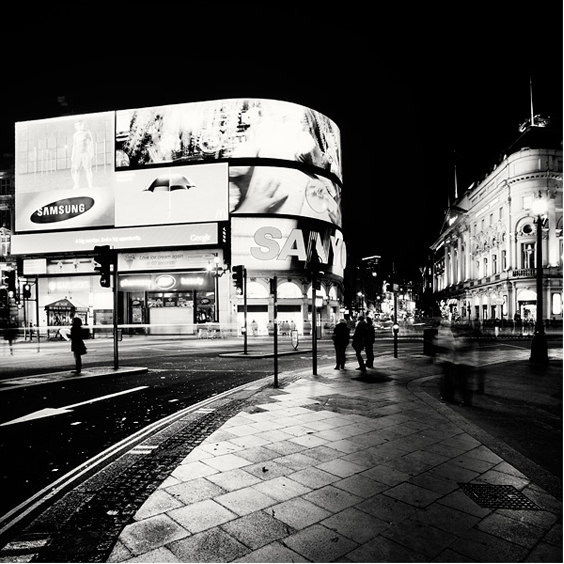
(340,468)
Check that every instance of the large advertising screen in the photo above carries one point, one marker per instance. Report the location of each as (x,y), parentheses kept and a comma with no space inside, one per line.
(65,173)
(275,244)
(120,177)
(283,191)
(221,129)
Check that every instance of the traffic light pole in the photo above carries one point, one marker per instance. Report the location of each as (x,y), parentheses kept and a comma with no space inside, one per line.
(116,305)
(274,287)
(245,311)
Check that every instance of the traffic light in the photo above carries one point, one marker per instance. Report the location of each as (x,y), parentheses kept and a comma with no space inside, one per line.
(11,282)
(239,273)
(27,291)
(104,257)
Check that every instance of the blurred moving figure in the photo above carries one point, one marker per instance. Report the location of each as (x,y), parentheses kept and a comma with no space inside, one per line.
(457,354)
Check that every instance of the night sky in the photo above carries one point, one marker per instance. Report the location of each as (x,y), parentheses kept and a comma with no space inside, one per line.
(413,92)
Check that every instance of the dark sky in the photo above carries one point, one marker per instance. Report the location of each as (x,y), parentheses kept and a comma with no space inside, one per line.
(412,91)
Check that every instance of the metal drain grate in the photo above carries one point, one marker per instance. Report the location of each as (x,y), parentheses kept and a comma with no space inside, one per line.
(497,497)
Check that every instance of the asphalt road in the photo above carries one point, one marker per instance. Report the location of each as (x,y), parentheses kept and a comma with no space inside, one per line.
(79,418)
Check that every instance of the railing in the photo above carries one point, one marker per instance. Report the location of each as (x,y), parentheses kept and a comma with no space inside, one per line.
(524,273)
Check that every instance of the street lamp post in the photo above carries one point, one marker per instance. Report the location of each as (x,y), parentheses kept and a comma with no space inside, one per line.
(217,273)
(539,347)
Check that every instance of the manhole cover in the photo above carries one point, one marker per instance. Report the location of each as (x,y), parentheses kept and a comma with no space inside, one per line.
(498,497)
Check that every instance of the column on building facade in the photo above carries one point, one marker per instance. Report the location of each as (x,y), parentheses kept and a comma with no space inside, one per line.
(459,259)
(447,267)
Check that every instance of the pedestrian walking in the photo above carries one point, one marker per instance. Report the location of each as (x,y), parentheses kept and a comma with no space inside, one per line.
(341,337)
(78,347)
(10,333)
(359,342)
(369,342)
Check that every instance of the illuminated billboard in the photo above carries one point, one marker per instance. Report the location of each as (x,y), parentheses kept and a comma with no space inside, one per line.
(160,196)
(227,129)
(167,176)
(283,191)
(284,245)
(65,173)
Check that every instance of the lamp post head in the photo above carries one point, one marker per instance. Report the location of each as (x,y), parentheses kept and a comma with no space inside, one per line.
(540,206)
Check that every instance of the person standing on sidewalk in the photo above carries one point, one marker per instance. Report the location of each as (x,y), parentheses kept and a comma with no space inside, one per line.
(370,338)
(359,342)
(78,347)
(341,336)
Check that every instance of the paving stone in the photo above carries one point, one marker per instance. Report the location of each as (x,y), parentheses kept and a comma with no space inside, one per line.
(319,544)
(332,499)
(245,500)
(412,494)
(420,537)
(195,490)
(296,461)
(226,462)
(340,467)
(202,515)
(232,480)
(282,488)
(213,545)
(298,513)
(446,518)
(361,486)
(517,532)
(192,470)
(257,529)
(483,547)
(355,524)
(387,509)
(274,552)
(386,475)
(144,536)
(159,502)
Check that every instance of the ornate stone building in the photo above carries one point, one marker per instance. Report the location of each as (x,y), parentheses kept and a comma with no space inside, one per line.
(484,261)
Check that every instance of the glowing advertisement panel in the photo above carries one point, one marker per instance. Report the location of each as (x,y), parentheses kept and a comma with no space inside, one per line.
(284,191)
(221,129)
(285,245)
(65,172)
(182,194)
(124,238)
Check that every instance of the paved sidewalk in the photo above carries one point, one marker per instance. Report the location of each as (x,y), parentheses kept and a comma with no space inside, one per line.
(343,467)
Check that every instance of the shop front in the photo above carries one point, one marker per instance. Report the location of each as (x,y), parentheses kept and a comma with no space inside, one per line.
(167,303)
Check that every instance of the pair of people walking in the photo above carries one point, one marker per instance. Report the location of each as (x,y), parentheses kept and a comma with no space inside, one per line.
(363,339)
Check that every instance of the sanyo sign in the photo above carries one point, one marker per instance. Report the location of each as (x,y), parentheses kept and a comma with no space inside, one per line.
(272,245)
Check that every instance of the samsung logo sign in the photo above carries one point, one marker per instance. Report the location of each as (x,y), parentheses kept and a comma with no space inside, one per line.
(62,210)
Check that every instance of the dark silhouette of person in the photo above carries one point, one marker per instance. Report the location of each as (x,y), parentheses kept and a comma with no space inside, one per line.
(359,342)
(78,347)
(341,336)
(369,342)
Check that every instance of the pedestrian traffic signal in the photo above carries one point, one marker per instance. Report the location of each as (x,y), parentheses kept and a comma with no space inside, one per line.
(104,257)
(26,291)
(239,273)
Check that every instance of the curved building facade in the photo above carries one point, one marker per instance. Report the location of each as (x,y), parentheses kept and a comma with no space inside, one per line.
(181,193)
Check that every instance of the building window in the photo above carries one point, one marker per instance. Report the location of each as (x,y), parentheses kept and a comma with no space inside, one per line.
(556,304)
(485,273)
(494,264)
(500,213)
(528,255)
(504,260)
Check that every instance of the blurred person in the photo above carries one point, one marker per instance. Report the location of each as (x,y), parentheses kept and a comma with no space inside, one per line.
(78,347)
(10,333)
(369,343)
(457,354)
(359,342)
(341,337)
